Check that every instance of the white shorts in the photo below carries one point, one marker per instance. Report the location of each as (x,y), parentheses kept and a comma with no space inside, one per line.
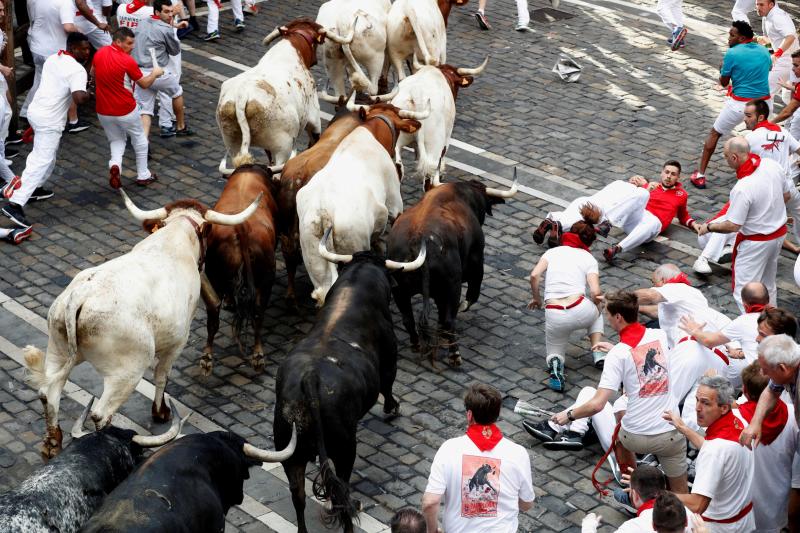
(167,84)
(732,115)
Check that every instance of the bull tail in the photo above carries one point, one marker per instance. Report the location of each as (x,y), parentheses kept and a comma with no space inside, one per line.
(412,19)
(72,309)
(327,486)
(243,157)
(358,79)
(244,287)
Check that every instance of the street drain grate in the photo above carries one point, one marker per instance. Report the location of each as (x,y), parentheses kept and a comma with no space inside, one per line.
(548,14)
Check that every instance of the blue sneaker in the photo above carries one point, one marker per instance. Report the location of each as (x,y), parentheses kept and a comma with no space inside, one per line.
(557,379)
(213,36)
(239,23)
(678,34)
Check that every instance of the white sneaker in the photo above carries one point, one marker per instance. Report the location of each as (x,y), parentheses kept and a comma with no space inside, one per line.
(701,266)
(524,28)
(555,3)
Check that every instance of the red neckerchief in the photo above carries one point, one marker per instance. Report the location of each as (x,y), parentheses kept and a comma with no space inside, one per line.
(649,504)
(65,53)
(680,278)
(136,5)
(748,167)
(773,423)
(573,241)
(632,334)
(484,437)
(726,427)
(755,308)
(155,17)
(768,125)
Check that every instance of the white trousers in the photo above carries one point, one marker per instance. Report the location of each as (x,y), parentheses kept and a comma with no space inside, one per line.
(523,15)
(741,8)
(621,203)
(714,243)
(781,71)
(96,36)
(603,422)
(118,129)
(165,113)
(38,64)
(756,261)
(41,161)
(212,24)
(671,13)
(560,323)
(688,361)
(646,230)
(6,174)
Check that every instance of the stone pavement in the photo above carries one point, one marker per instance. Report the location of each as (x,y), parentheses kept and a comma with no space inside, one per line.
(636,105)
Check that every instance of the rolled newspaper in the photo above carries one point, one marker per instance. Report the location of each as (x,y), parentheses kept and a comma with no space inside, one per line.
(153,57)
(524,408)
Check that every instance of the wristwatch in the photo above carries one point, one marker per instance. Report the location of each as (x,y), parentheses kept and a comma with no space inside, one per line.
(569,416)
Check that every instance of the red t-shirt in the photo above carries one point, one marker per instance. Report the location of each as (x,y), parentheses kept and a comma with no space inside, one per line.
(666,204)
(114,97)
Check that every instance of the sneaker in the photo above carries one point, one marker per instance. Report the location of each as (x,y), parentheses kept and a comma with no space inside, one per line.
(603,228)
(539,233)
(27,135)
(15,213)
(11,186)
(14,138)
(147,181)
(554,239)
(183,32)
(555,3)
(168,132)
(40,193)
(213,36)
(557,379)
(677,37)
(251,9)
(239,23)
(698,180)
(701,266)
(18,235)
(568,440)
(540,430)
(727,254)
(78,126)
(11,153)
(185,132)
(524,28)
(610,253)
(598,359)
(113,177)
(482,22)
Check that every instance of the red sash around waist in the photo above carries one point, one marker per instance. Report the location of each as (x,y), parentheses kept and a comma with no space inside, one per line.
(717,351)
(738,516)
(778,233)
(570,306)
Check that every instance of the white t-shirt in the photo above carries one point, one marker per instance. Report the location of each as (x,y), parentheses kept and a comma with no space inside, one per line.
(481,489)
(46,34)
(567,268)
(685,300)
(644,523)
(757,200)
(131,20)
(97,9)
(723,472)
(772,476)
(644,372)
(61,76)
(779,146)
(744,330)
(778,25)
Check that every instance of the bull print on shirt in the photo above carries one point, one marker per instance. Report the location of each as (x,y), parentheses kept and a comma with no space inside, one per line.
(651,367)
(774,144)
(480,486)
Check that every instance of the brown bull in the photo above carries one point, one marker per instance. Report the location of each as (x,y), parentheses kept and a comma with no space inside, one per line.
(240,260)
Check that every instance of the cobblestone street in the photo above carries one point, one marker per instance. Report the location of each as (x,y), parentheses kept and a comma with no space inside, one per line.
(636,105)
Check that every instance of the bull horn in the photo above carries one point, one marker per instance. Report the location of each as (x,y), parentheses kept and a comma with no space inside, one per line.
(141,216)
(266,456)
(273,35)
(325,97)
(473,71)
(378,98)
(77,429)
(222,219)
(223,166)
(407,267)
(416,115)
(504,194)
(351,103)
(152,441)
(330,256)
(338,39)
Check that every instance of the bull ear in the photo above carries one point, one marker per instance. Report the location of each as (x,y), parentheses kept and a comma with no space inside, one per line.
(320,38)
(466,81)
(410,125)
(284,31)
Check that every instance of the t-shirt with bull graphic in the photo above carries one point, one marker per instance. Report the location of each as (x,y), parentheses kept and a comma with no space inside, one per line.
(643,370)
(768,140)
(481,489)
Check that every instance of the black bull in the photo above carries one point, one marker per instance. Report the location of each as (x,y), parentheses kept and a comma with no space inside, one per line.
(332,378)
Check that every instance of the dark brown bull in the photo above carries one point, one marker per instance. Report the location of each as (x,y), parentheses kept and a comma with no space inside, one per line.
(240,260)
(449,219)
(446,5)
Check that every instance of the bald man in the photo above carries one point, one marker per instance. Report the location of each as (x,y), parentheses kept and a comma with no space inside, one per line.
(757,214)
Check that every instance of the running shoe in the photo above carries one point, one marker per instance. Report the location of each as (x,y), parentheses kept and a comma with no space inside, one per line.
(678,34)
(11,186)
(557,378)
(16,214)
(603,228)
(540,430)
(168,132)
(18,235)
(113,177)
(185,132)
(213,36)
(698,180)
(568,440)
(610,253)
(40,193)
(701,266)
(482,22)
(539,233)
(239,23)
(78,127)
(147,181)
(251,9)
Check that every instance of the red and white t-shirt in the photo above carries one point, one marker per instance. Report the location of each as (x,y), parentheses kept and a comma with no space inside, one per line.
(667,204)
(757,203)
(115,72)
(771,141)
(481,489)
(130,14)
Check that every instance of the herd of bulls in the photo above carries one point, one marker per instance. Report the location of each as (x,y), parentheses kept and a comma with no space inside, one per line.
(337,207)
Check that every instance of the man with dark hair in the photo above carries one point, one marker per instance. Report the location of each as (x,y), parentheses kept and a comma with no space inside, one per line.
(483,478)
(745,71)
(669,514)
(63,82)
(408,520)
(116,106)
(668,199)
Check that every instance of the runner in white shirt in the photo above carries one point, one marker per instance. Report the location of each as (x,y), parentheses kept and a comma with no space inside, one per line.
(63,82)
(779,29)
(6,174)
(773,457)
(757,213)
(482,477)
(95,26)
(129,14)
(741,8)
(722,491)
(569,269)
(639,363)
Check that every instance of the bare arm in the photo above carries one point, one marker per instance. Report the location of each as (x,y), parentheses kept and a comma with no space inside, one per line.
(724,80)
(535,279)
(594,287)
(694,437)
(524,506)
(648,296)
(649,310)
(430,510)
(146,81)
(80,97)
(696,503)
(787,111)
(590,408)
(86,11)
(725,226)
(706,338)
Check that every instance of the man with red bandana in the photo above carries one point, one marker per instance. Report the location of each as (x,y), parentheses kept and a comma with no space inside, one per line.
(131,13)
(482,477)
(757,214)
(667,200)
(722,491)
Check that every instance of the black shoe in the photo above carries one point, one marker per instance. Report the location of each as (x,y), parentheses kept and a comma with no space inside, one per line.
(40,193)
(610,253)
(18,235)
(568,440)
(482,22)
(603,228)
(540,430)
(11,153)
(185,132)
(541,231)
(15,213)
(78,126)
(554,239)
(14,138)
(168,132)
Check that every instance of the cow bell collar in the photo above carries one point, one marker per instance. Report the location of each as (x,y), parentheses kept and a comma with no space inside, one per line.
(390,124)
(311,41)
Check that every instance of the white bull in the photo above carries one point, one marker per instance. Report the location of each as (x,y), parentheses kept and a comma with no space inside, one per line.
(127,314)
(367,48)
(356,193)
(268,105)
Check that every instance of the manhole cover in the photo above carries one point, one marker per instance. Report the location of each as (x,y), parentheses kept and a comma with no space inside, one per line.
(548,14)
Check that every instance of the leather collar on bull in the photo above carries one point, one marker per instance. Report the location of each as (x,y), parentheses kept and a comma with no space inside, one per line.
(386,120)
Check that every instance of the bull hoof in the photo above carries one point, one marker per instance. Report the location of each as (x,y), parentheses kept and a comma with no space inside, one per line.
(392,412)
(465,305)
(206,365)
(51,446)
(455,359)
(258,362)
(161,415)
